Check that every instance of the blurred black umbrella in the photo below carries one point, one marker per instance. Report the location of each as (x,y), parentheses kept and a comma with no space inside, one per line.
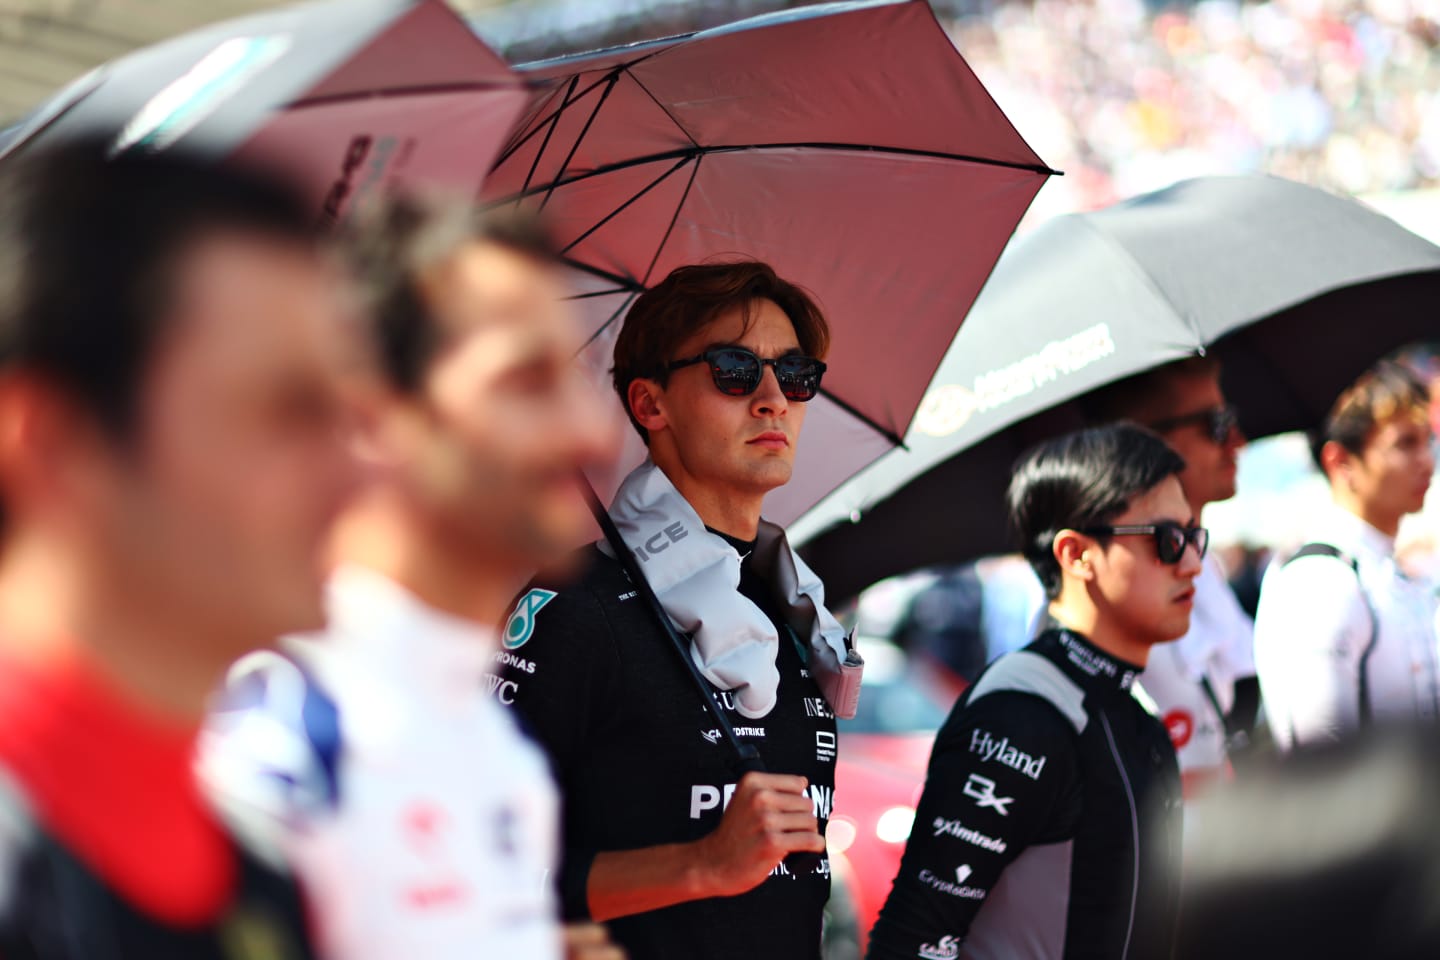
(346,95)
(1295,289)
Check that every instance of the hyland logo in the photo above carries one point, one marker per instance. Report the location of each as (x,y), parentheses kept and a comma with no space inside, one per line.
(1000,751)
(947,949)
(958,830)
(817,707)
(982,790)
(956,889)
(825,746)
(521,625)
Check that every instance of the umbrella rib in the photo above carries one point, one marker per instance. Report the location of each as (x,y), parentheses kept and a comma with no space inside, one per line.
(552,118)
(620,281)
(612,318)
(623,207)
(599,102)
(894,438)
(666,110)
(419,90)
(674,219)
(549,132)
(687,152)
(597,293)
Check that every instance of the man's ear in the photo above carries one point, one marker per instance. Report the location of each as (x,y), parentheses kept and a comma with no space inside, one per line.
(646,404)
(1072,552)
(1336,461)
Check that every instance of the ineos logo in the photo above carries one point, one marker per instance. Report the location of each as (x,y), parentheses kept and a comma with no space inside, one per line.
(662,541)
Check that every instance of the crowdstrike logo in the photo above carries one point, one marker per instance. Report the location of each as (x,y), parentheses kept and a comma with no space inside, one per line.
(947,949)
(982,791)
(1000,751)
(956,829)
(956,889)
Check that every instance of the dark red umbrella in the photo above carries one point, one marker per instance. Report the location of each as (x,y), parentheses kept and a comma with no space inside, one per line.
(349,95)
(849,145)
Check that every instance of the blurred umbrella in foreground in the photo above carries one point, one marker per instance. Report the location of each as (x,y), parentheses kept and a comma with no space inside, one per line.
(1296,290)
(848,145)
(347,96)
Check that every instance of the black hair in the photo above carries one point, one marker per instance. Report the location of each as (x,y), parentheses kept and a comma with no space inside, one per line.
(392,243)
(1082,479)
(1143,397)
(90,244)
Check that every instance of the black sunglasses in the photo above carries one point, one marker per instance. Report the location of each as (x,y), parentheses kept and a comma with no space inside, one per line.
(1171,538)
(737,372)
(1218,422)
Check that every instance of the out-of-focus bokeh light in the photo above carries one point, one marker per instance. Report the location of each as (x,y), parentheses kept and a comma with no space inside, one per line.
(894,824)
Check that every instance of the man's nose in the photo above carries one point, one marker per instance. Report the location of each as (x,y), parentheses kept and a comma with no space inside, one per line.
(768,399)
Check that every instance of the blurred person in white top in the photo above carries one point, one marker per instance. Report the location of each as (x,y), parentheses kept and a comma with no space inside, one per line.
(420,820)
(1203,685)
(1344,637)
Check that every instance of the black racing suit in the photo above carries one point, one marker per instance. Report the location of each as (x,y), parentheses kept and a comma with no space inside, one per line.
(1051,804)
(55,907)
(640,763)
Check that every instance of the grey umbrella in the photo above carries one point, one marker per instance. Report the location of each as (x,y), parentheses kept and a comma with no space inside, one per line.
(348,96)
(1295,289)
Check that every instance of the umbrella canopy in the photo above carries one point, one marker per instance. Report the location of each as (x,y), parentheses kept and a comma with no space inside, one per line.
(348,96)
(848,145)
(1296,290)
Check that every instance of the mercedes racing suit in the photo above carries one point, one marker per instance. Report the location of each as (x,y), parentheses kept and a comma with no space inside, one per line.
(1051,799)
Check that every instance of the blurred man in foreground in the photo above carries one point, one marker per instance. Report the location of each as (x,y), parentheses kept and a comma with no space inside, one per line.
(170,459)
(1049,772)
(421,821)
(1203,685)
(1344,638)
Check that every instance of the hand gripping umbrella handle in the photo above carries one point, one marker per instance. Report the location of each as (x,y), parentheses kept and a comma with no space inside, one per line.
(746,758)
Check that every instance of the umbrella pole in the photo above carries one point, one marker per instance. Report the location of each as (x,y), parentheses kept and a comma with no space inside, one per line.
(747,758)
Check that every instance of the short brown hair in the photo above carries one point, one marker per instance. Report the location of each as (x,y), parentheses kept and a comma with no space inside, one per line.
(668,314)
(1136,397)
(1383,393)
(391,244)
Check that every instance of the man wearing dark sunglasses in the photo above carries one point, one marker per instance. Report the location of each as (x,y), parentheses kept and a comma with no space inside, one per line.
(1203,685)
(1052,800)
(663,840)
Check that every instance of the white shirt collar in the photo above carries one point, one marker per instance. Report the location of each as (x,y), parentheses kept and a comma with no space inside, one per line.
(1341,528)
(402,634)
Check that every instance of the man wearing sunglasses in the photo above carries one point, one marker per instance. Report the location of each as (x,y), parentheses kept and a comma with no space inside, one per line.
(1344,637)
(663,840)
(1051,806)
(1203,685)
